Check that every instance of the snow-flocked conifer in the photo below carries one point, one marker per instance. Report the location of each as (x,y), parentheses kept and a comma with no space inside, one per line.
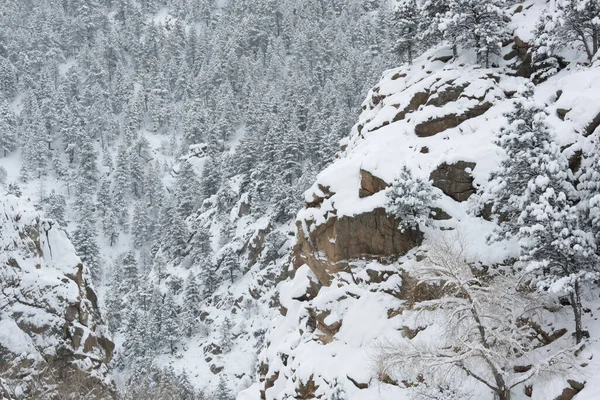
(410,199)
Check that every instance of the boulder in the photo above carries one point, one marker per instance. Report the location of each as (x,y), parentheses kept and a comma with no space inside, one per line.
(370,184)
(416,101)
(562,113)
(454,180)
(593,125)
(448,95)
(330,246)
(436,125)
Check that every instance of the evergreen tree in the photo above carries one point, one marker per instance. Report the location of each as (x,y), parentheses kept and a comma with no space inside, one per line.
(36,143)
(140,225)
(110,225)
(589,187)
(122,185)
(410,199)
(556,246)
(8,130)
(56,207)
(191,304)
(209,280)
(223,392)
(86,245)
(170,327)
(201,249)
(226,336)
(130,279)
(407,19)
(337,391)
(86,177)
(569,22)
(479,24)
(187,190)
(211,178)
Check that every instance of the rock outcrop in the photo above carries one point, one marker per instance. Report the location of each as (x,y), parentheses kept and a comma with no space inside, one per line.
(53,341)
(370,184)
(355,280)
(329,247)
(455,180)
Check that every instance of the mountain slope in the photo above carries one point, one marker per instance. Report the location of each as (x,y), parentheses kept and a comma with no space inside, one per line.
(53,340)
(354,288)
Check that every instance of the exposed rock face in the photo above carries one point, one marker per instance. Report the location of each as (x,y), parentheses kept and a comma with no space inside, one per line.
(329,246)
(52,337)
(454,180)
(593,125)
(370,184)
(437,125)
(349,290)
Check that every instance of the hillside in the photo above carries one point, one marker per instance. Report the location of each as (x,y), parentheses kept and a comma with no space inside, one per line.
(198,182)
(356,289)
(53,339)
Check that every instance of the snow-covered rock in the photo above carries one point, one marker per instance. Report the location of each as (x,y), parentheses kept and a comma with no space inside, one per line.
(440,120)
(51,331)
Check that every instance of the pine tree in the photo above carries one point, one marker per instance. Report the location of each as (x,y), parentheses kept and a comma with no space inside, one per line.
(226,336)
(170,327)
(86,245)
(201,249)
(115,302)
(8,127)
(545,217)
(410,199)
(130,279)
(407,20)
(223,392)
(177,236)
(110,225)
(209,280)
(140,225)
(86,178)
(122,185)
(477,23)
(187,190)
(569,22)
(211,178)
(520,140)
(589,187)
(36,144)
(191,304)
(229,265)
(8,78)
(56,207)
(337,391)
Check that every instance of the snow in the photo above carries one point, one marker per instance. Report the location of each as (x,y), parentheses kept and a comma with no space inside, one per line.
(13,339)
(382,146)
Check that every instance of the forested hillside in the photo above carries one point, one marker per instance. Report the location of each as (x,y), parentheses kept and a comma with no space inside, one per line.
(251,232)
(173,142)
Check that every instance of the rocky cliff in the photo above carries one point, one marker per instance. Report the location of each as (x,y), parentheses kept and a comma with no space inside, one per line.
(353,286)
(53,341)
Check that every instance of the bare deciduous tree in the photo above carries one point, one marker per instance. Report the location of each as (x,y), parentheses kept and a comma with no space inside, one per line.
(487,327)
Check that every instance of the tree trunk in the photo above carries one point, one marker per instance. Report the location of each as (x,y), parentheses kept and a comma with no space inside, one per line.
(503,394)
(454,50)
(575,300)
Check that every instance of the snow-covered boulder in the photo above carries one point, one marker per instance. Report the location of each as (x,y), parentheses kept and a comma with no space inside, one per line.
(51,330)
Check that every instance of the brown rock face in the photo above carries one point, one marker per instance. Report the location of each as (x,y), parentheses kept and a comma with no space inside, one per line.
(417,100)
(593,125)
(331,245)
(436,125)
(454,180)
(450,94)
(370,184)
